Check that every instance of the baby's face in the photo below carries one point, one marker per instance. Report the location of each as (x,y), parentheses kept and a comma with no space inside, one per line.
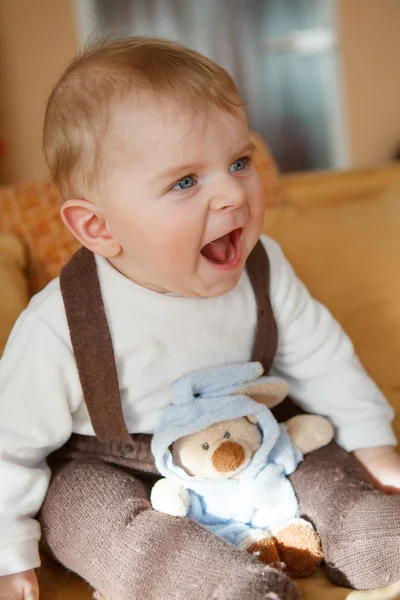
(181,196)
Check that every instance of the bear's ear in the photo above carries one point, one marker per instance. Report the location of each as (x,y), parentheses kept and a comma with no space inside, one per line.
(252,419)
(269,391)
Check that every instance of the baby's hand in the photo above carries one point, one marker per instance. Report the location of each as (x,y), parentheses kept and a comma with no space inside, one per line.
(20,586)
(383,465)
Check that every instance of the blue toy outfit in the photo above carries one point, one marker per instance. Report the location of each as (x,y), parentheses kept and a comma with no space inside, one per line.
(259,495)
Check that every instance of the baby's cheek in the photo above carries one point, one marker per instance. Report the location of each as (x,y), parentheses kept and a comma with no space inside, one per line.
(258,198)
(179,242)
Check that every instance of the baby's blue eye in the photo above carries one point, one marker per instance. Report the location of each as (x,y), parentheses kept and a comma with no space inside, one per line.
(185,183)
(238,165)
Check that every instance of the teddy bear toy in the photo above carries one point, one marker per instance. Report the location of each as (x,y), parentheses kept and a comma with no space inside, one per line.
(226,460)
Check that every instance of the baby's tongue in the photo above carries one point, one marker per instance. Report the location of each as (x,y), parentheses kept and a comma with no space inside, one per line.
(218,250)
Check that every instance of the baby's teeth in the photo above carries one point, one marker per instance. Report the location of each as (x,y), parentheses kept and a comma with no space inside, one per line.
(231,253)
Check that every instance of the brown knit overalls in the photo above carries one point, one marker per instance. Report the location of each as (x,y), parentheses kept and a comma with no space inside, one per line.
(97,519)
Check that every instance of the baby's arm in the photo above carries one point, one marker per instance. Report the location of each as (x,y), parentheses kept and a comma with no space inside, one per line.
(318,360)
(36,379)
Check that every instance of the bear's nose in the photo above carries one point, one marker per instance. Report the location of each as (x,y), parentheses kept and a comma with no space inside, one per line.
(228,457)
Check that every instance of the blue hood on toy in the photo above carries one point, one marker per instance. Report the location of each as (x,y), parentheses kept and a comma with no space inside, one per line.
(211,396)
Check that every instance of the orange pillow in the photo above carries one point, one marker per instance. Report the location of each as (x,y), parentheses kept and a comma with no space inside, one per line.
(14,287)
(31,211)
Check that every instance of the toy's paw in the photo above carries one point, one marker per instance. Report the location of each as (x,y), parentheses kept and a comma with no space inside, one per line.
(309,432)
(262,545)
(298,546)
(170,498)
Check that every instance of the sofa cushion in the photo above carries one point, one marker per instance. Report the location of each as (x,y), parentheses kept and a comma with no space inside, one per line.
(348,255)
(13,284)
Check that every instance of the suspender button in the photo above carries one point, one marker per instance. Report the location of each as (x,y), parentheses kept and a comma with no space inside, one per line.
(125,450)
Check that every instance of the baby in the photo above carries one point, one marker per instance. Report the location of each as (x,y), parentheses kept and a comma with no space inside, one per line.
(149,144)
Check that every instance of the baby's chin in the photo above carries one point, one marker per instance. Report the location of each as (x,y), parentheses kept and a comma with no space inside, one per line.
(213,289)
(198,288)
(212,283)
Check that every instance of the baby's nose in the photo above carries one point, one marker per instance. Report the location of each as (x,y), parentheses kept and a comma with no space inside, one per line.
(227,193)
(228,457)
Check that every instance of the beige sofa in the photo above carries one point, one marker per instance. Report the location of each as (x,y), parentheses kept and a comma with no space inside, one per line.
(341,231)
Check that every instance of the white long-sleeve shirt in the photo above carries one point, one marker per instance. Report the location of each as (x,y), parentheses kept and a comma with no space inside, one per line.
(157,338)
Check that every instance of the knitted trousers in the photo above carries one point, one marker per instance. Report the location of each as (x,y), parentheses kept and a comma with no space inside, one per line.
(97,521)
(359,526)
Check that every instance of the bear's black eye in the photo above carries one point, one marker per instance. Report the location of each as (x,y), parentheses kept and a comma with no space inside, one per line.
(227,435)
(205,446)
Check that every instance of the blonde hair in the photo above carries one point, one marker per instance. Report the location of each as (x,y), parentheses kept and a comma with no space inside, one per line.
(79,107)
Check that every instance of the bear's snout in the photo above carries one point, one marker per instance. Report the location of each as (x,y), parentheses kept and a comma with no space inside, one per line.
(228,457)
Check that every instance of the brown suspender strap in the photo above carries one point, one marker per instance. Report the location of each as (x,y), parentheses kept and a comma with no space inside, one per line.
(92,346)
(92,343)
(266,338)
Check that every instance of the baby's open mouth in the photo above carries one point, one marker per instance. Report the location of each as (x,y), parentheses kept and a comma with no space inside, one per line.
(224,251)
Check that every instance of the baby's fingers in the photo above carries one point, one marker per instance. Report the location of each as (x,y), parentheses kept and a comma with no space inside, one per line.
(32,595)
(31,590)
(19,586)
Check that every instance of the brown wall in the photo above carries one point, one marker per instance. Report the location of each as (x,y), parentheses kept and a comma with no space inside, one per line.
(370,52)
(37,38)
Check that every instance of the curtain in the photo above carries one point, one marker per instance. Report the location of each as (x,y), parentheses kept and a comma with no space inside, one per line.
(289,83)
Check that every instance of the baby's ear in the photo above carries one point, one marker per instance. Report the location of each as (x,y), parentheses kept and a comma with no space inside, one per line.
(269,391)
(86,222)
